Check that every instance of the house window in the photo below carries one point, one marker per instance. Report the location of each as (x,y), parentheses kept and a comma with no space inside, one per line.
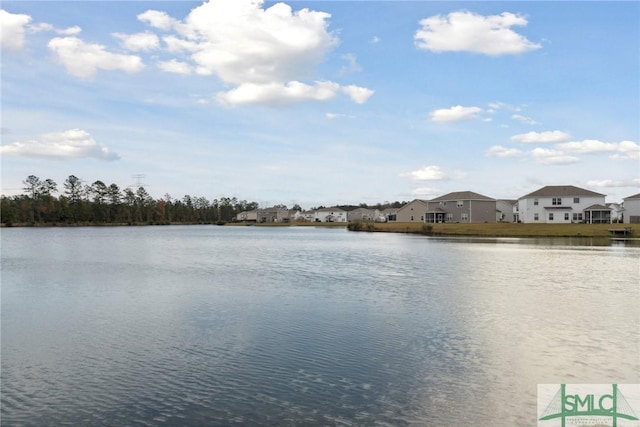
(535,202)
(535,216)
(556,201)
(459,203)
(411,217)
(550,216)
(421,217)
(464,217)
(566,216)
(576,200)
(449,217)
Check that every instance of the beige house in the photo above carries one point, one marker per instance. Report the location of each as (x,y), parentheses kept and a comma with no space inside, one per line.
(461,206)
(414,211)
(247,215)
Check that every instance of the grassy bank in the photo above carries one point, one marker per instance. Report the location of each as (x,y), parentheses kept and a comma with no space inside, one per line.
(502,229)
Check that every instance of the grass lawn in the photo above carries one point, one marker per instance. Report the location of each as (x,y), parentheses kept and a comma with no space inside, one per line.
(506,229)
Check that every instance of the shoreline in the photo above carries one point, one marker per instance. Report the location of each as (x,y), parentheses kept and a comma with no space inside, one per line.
(443,230)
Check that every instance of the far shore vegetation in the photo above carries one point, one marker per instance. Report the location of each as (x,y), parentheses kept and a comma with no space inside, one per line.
(101,205)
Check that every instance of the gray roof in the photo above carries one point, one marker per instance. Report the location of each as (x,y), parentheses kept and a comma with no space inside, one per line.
(561,191)
(597,208)
(461,195)
(635,196)
(330,210)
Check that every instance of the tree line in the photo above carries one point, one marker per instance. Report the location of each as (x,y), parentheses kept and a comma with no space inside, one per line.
(99,203)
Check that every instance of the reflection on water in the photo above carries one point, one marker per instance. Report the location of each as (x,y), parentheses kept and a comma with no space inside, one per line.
(300,326)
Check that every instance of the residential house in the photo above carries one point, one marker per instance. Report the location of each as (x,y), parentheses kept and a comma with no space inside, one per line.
(306,216)
(272,214)
(388,215)
(558,204)
(461,206)
(414,211)
(505,210)
(247,215)
(631,213)
(362,214)
(330,215)
(616,211)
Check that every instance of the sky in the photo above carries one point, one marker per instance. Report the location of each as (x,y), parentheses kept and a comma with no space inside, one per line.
(325,102)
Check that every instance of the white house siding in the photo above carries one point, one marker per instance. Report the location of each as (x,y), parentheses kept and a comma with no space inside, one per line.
(567,211)
(505,210)
(331,215)
(631,213)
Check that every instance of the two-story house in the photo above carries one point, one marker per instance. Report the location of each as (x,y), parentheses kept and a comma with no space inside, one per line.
(557,204)
(631,212)
(461,206)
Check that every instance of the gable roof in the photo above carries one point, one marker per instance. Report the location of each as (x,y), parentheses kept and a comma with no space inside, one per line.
(461,195)
(424,202)
(562,191)
(635,196)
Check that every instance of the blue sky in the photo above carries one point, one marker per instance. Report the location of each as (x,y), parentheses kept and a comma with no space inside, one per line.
(326,102)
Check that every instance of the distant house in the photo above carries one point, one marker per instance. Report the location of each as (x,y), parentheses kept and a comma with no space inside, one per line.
(616,211)
(247,216)
(388,215)
(362,214)
(461,206)
(306,216)
(414,211)
(330,215)
(561,204)
(272,214)
(506,210)
(631,213)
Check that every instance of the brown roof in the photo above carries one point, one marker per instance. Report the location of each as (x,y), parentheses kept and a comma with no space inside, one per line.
(635,196)
(461,195)
(561,191)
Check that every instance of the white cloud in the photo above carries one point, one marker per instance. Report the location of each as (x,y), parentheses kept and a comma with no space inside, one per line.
(85,59)
(352,64)
(139,42)
(69,144)
(12,30)
(504,152)
(547,137)
(266,53)
(524,119)
(174,66)
(358,94)
(614,183)
(455,113)
(279,93)
(375,39)
(43,26)
(427,173)
(158,19)
(622,150)
(468,32)
(242,43)
(552,157)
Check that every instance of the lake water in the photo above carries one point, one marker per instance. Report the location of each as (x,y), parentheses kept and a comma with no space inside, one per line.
(219,326)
